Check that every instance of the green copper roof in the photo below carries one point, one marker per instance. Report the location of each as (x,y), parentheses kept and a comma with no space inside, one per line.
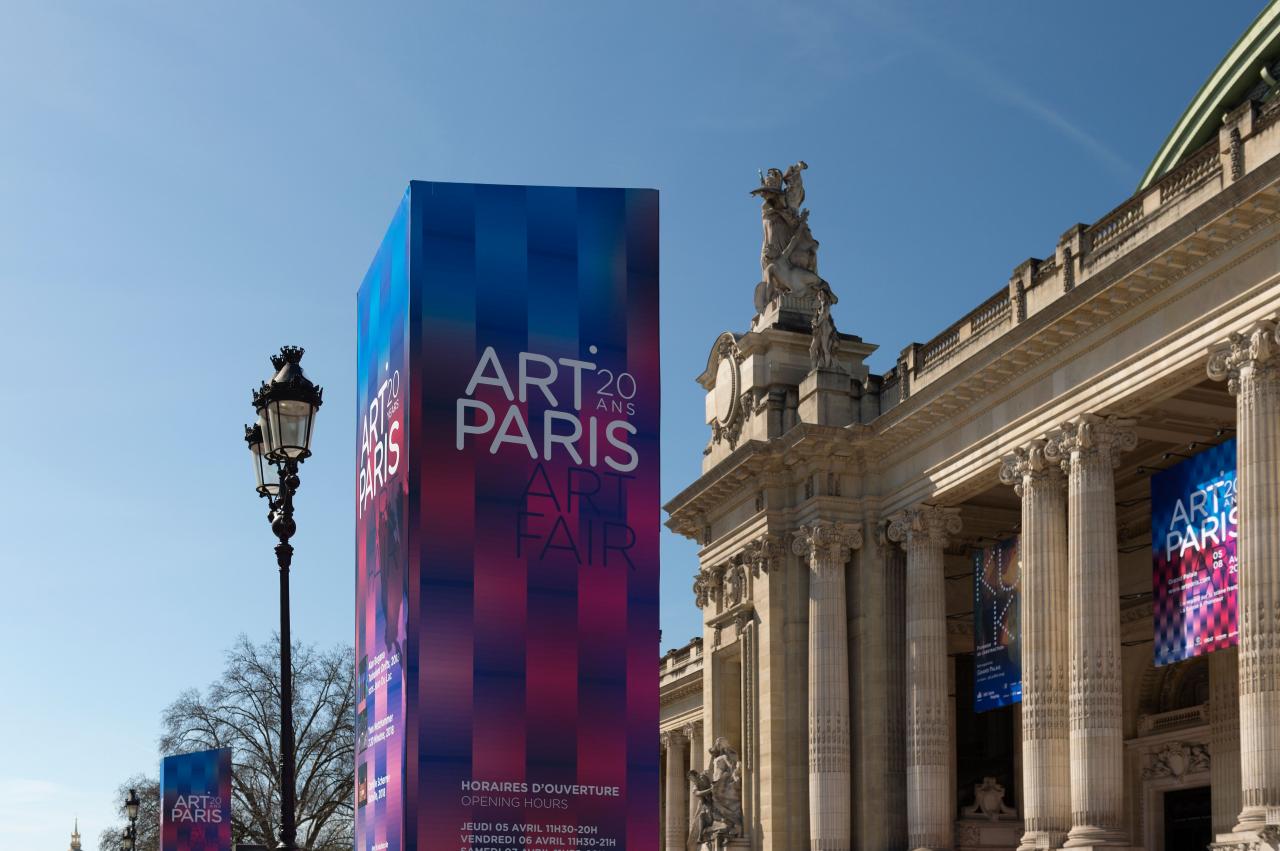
(1223,91)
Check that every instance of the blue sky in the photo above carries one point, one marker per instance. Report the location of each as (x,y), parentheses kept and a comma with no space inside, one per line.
(184,187)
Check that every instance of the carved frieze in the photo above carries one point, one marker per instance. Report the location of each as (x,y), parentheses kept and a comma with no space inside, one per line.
(1176,760)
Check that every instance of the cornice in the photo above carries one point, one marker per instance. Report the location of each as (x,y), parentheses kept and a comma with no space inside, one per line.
(680,691)
(1141,273)
(824,446)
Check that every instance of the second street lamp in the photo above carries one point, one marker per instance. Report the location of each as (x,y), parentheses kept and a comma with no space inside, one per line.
(129,840)
(279,442)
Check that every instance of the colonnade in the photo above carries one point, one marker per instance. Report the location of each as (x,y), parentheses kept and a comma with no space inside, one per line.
(1072,718)
(1072,712)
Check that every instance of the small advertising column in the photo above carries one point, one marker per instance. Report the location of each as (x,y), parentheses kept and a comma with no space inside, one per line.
(195,801)
(507,518)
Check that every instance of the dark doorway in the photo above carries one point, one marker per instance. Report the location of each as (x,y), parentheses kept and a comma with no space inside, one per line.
(1188,824)
(984,741)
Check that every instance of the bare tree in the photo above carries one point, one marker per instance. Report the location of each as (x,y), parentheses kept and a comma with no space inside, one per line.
(148,789)
(241,711)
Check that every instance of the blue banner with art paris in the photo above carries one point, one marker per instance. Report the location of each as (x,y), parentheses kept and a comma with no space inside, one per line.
(997,660)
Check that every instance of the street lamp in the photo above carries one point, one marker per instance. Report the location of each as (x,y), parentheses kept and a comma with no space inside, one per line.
(279,441)
(131,806)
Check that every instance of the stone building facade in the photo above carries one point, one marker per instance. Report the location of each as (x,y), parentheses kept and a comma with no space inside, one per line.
(837,510)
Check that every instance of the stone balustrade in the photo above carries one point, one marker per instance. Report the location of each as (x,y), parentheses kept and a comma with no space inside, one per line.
(1118,233)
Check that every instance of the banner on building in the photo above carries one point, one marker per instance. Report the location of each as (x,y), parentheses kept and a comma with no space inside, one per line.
(1195,572)
(195,801)
(997,665)
(507,516)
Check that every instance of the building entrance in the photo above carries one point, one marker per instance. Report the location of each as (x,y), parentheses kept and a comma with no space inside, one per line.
(1187,824)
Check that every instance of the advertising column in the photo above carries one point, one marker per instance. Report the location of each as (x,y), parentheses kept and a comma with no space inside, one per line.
(507,522)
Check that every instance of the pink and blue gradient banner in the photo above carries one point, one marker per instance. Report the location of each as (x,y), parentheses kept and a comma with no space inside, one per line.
(382,529)
(1195,572)
(528,411)
(195,801)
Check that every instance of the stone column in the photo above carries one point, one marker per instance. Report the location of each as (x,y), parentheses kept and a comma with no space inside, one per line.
(677,787)
(923,531)
(1248,362)
(1046,756)
(1088,448)
(873,800)
(693,732)
(827,545)
(1224,738)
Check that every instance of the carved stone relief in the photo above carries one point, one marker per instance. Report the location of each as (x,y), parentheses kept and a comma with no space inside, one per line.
(730,406)
(1176,760)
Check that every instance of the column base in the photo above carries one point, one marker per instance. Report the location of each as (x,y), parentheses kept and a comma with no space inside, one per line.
(1098,837)
(1265,839)
(1039,840)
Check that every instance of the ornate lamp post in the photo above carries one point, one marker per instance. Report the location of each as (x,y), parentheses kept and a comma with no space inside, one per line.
(279,442)
(131,805)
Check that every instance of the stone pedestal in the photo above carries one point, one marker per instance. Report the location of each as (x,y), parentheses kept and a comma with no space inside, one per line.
(1046,767)
(740,843)
(826,398)
(1089,447)
(981,834)
(827,547)
(923,531)
(788,312)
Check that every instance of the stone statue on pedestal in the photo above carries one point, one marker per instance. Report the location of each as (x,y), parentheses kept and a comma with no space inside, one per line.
(825,342)
(718,797)
(789,255)
(789,262)
(988,802)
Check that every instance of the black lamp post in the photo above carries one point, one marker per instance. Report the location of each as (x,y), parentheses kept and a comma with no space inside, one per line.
(131,805)
(280,441)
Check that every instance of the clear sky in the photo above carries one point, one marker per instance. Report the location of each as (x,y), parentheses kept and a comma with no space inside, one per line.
(184,187)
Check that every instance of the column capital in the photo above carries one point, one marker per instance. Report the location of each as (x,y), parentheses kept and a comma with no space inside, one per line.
(826,540)
(1255,347)
(1029,465)
(692,730)
(1090,436)
(924,524)
(704,587)
(672,739)
(759,554)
